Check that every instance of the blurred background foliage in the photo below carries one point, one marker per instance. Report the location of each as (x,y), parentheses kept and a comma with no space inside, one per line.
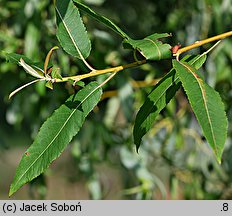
(174,161)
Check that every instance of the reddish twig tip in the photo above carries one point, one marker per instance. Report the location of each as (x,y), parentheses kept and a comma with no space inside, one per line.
(175,48)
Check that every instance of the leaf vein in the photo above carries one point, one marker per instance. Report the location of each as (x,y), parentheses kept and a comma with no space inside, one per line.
(159,53)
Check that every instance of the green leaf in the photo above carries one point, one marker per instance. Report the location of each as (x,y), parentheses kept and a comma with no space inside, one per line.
(154,103)
(71,31)
(15,58)
(195,60)
(56,73)
(55,134)
(80,83)
(207,106)
(198,61)
(158,98)
(49,85)
(150,47)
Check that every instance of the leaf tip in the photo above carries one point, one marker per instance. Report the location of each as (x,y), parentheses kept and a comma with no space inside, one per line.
(137,147)
(21,61)
(10,96)
(219,159)
(11,191)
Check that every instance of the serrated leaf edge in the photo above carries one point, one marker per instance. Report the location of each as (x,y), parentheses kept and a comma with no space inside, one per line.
(175,80)
(71,37)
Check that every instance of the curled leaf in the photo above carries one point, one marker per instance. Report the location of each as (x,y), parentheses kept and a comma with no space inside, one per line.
(150,47)
(30,70)
(48,58)
(24,86)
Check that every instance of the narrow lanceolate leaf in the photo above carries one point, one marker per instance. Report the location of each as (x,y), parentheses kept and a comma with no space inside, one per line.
(207,106)
(55,134)
(155,102)
(150,47)
(71,31)
(159,98)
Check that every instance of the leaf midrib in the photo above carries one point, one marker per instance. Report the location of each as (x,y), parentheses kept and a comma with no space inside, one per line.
(69,33)
(159,53)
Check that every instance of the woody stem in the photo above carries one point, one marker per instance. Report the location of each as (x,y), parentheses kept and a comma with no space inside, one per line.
(100,72)
(202,42)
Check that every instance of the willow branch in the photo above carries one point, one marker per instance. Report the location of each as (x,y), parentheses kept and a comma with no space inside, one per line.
(137,63)
(202,42)
(100,72)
